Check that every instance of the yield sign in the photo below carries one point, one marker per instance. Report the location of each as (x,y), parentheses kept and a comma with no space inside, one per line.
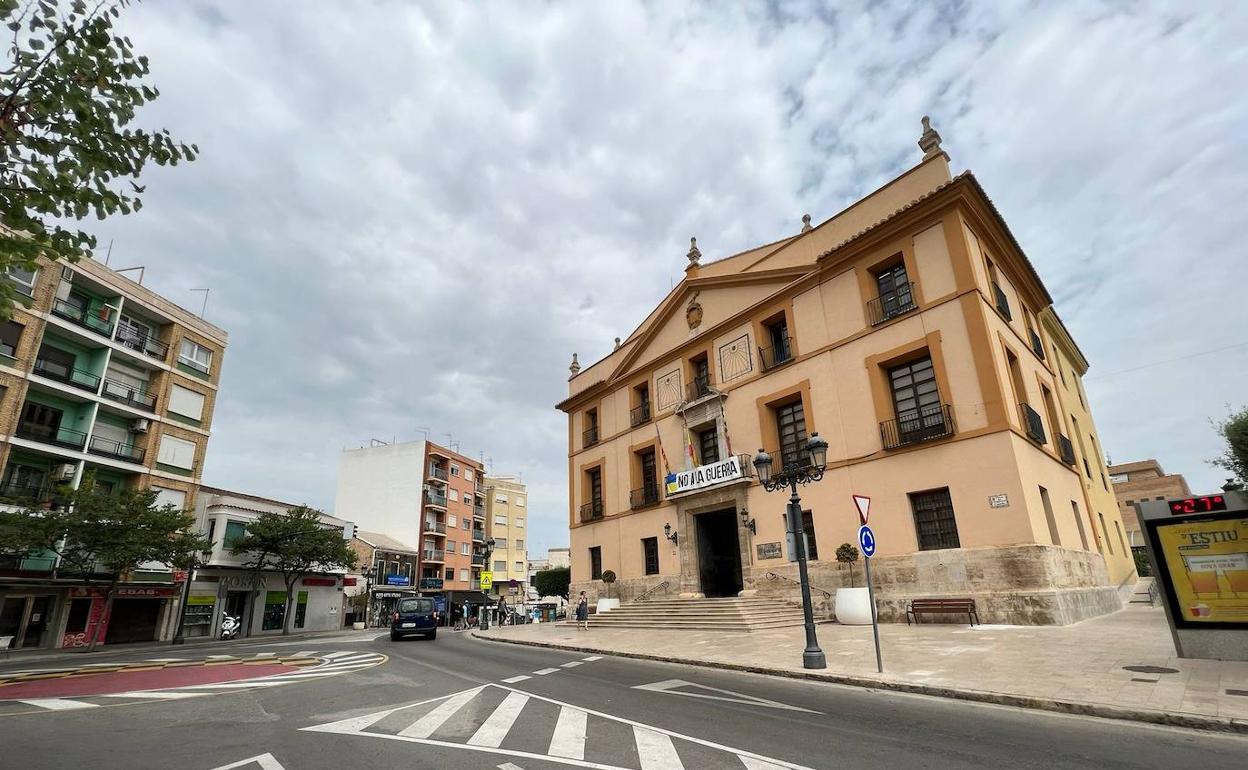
(864,504)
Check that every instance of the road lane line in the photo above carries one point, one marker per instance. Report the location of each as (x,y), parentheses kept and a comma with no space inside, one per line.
(655,750)
(569,737)
(572,664)
(58,704)
(156,694)
(492,732)
(515,679)
(592,658)
(426,725)
(752,763)
(545,671)
(333,655)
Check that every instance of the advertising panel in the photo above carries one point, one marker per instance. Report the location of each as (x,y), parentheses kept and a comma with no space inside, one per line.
(1206,564)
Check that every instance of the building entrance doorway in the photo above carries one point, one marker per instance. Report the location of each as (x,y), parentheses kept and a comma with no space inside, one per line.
(719,553)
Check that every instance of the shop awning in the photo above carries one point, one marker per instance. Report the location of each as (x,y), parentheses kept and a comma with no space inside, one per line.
(467,597)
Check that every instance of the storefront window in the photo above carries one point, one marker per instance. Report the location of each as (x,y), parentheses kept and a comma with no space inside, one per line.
(274,610)
(301,609)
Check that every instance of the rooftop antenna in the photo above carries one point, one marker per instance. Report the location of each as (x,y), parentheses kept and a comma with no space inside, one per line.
(109,253)
(205,305)
(423,430)
(449,439)
(376,442)
(140,268)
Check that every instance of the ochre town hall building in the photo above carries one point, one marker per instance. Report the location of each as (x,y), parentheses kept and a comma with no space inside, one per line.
(914,335)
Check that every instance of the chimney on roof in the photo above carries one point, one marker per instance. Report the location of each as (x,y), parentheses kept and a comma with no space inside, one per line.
(806,223)
(929,142)
(575,368)
(694,255)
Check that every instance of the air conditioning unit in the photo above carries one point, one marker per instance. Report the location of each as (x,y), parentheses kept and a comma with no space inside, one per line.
(63,472)
(67,273)
(139,426)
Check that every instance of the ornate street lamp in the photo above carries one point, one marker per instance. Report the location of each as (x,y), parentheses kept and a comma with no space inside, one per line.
(792,474)
(488,549)
(669,534)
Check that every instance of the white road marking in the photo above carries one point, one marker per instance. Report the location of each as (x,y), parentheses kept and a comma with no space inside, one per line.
(572,664)
(509,766)
(515,679)
(592,658)
(545,671)
(155,694)
(221,657)
(58,704)
(266,654)
(495,729)
(569,737)
(670,686)
(304,653)
(339,654)
(266,762)
(752,763)
(230,685)
(655,750)
(426,725)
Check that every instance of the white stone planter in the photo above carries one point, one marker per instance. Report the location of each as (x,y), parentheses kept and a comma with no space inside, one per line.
(358,626)
(606,605)
(853,606)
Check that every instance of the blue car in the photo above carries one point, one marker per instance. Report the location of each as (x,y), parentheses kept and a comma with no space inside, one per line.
(415,615)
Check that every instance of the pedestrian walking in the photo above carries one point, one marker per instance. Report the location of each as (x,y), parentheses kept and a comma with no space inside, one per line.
(582,612)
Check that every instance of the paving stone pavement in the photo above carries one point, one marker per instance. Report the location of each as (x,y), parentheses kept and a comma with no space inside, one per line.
(1082,663)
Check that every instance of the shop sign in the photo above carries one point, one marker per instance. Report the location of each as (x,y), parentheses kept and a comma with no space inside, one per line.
(247,582)
(769,550)
(705,476)
(398,580)
(388,594)
(319,581)
(431,584)
(348,582)
(179,575)
(200,601)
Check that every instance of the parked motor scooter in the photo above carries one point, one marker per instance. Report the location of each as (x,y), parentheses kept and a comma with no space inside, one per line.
(230,627)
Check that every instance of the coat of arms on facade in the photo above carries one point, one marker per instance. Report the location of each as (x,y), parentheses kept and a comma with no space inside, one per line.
(693,312)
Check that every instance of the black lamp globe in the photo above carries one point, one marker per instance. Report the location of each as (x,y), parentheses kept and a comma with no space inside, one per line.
(762,465)
(818,448)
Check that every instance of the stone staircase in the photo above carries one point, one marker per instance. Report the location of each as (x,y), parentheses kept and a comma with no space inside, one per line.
(732,615)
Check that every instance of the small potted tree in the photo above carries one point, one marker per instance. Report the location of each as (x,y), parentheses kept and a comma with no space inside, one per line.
(609,603)
(853,605)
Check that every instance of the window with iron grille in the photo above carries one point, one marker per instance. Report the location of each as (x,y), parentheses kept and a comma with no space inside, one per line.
(914,390)
(649,471)
(808,526)
(650,550)
(791,425)
(895,292)
(595,563)
(708,446)
(595,486)
(934,522)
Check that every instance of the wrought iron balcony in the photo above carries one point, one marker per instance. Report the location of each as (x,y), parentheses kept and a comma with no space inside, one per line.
(26,493)
(435,498)
(590,436)
(1067,449)
(1032,423)
(62,437)
(640,415)
(109,448)
(61,373)
(478,560)
(478,535)
(84,317)
(143,343)
(591,510)
(434,554)
(126,394)
(1036,346)
(434,526)
(645,497)
(917,426)
(780,353)
(701,386)
(478,510)
(891,305)
(1003,302)
(437,473)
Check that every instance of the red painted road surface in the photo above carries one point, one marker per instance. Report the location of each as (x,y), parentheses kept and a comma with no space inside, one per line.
(126,681)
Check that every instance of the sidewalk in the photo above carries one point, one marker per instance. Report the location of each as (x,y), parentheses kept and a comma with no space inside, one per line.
(1073,669)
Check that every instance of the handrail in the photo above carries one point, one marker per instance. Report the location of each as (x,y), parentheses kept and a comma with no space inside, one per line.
(646,594)
(1154,594)
(775,576)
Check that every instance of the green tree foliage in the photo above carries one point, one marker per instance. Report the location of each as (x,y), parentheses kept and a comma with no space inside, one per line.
(104,536)
(69,93)
(1235,458)
(846,553)
(294,543)
(553,582)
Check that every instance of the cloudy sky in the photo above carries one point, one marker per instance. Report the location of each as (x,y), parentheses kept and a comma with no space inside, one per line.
(410,215)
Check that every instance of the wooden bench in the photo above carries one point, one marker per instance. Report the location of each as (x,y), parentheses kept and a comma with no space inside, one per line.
(942,607)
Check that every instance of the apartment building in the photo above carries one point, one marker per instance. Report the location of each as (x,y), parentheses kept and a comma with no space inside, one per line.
(98,374)
(1137,482)
(906,331)
(422,493)
(506,508)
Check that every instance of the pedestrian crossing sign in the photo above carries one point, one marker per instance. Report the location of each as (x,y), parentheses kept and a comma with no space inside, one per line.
(487,581)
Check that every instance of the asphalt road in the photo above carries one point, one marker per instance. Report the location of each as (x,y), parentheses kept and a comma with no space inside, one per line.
(458,702)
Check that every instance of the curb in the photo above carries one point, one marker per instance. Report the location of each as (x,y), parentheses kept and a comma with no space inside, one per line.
(1104,711)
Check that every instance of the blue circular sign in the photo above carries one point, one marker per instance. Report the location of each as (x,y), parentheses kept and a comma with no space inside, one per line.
(866,541)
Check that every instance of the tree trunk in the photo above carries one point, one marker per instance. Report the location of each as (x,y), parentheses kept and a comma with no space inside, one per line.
(106,615)
(289,616)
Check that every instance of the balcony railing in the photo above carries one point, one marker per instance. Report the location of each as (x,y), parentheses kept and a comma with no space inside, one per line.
(437,473)
(1003,302)
(143,343)
(478,560)
(640,415)
(591,510)
(1067,449)
(62,437)
(780,353)
(435,526)
(434,554)
(61,373)
(645,497)
(435,498)
(27,493)
(590,436)
(475,585)
(84,317)
(110,448)
(478,510)
(916,426)
(891,305)
(1032,423)
(478,536)
(701,386)
(1037,347)
(126,394)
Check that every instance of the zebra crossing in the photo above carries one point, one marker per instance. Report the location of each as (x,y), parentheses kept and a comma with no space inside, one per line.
(330,664)
(497,719)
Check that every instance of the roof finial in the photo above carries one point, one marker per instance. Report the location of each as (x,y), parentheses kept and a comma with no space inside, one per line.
(575,368)
(694,255)
(806,223)
(929,142)
(617,343)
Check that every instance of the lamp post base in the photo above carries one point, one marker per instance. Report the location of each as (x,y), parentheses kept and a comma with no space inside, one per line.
(814,659)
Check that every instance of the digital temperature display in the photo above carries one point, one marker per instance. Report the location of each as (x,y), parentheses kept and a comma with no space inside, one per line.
(1198,505)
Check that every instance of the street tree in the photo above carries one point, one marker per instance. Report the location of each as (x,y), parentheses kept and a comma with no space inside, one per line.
(1235,457)
(553,582)
(295,543)
(69,94)
(847,553)
(104,536)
